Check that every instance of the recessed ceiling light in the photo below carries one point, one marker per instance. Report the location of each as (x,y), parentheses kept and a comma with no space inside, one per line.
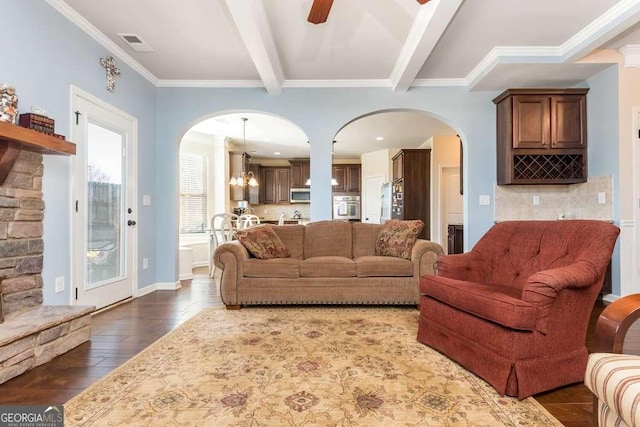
(379,138)
(277,153)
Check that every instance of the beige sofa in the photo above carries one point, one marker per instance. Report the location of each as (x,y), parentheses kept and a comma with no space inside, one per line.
(332,262)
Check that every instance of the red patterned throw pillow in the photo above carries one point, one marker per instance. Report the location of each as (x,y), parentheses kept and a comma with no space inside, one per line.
(398,237)
(262,242)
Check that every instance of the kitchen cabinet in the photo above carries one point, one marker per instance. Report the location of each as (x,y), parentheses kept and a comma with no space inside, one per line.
(410,195)
(238,161)
(276,184)
(348,178)
(300,173)
(541,136)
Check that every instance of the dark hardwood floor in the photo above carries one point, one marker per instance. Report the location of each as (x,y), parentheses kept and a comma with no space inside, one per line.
(121,332)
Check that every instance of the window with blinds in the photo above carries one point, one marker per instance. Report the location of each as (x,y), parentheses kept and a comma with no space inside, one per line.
(193,192)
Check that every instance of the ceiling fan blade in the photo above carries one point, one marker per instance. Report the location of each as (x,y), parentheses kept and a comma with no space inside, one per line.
(423,1)
(319,11)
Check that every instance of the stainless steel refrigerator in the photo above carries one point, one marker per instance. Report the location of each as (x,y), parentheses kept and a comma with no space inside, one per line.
(385,202)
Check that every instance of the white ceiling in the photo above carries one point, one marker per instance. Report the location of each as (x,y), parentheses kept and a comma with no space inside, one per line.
(478,44)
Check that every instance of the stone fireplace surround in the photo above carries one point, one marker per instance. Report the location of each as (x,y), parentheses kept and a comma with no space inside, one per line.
(31,333)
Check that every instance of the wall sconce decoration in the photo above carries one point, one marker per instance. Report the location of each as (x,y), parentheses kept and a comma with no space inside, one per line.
(109,64)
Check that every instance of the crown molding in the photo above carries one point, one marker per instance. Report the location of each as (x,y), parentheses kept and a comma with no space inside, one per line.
(439,82)
(608,25)
(631,54)
(615,20)
(337,83)
(211,83)
(65,10)
(612,22)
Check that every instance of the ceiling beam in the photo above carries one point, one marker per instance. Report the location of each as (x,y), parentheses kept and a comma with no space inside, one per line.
(430,23)
(250,18)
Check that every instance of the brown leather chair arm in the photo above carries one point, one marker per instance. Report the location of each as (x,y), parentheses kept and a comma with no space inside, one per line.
(614,322)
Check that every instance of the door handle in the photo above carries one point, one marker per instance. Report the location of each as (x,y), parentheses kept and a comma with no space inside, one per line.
(131,222)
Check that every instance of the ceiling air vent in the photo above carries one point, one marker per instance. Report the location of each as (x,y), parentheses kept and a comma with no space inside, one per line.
(135,42)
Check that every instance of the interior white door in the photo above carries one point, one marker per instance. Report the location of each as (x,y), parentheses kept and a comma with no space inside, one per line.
(372,193)
(105,203)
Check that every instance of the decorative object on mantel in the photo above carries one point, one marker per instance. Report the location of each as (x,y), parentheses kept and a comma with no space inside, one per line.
(109,64)
(245,178)
(8,103)
(38,120)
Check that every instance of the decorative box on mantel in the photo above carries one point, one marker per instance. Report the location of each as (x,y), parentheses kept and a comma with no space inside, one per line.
(32,333)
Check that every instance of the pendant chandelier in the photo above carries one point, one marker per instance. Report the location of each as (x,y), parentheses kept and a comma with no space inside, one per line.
(245,178)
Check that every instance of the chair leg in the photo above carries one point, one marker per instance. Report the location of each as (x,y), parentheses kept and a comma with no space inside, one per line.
(233,307)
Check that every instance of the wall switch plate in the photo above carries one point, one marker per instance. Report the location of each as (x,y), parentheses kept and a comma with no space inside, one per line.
(536,200)
(602,198)
(485,200)
(145,263)
(146,200)
(59,284)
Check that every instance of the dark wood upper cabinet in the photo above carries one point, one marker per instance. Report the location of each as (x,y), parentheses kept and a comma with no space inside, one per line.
(276,184)
(347,176)
(300,173)
(541,136)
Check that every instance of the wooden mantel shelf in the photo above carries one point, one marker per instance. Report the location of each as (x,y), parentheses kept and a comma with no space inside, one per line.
(14,138)
(35,141)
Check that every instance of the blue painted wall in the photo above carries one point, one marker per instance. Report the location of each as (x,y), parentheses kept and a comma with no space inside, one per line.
(320,113)
(62,55)
(602,131)
(44,54)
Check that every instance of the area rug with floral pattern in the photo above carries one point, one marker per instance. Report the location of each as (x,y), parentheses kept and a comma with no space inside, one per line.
(302,366)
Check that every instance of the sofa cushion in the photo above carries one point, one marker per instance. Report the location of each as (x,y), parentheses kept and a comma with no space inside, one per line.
(328,266)
(396,238)
(327,238)
(383,266)
(262,242)
(292,236)
(499,304)
(364,238)
(288,268)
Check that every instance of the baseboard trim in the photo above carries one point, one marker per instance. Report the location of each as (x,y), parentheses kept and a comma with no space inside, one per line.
(168,286)
(200,264)
(186,276)
(144,291)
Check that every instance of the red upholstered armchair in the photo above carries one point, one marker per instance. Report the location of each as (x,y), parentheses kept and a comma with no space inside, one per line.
(514,310)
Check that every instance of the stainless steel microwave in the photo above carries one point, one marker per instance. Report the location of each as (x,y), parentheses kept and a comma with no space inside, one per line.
(300,195)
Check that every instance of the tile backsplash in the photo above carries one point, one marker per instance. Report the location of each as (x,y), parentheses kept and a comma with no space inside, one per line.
(273,212)
(575,201)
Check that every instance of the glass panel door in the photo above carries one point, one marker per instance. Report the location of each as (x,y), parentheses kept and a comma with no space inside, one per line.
(105,208)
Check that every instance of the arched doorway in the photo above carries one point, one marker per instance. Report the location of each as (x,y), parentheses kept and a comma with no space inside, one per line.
(216,149)
(375,138)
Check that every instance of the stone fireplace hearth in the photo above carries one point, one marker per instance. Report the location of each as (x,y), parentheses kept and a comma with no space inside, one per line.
(31,333)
